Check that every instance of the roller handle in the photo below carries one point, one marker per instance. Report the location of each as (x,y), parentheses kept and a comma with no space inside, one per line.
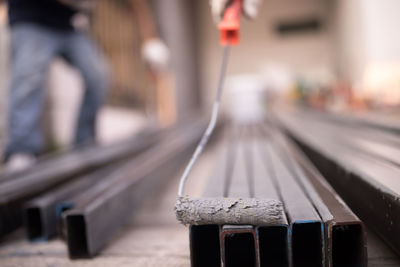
(230,24)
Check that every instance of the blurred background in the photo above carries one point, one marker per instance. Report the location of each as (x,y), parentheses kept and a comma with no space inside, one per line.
(340,55)
(121,72)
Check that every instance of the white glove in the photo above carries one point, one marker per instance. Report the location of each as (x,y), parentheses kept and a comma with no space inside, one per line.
(156,54)
(250,8)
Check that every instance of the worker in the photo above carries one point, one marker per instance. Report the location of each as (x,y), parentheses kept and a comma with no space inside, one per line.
(250,8)
(41,30)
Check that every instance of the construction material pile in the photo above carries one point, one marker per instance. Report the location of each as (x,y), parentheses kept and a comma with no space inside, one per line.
(359,157)
(86,195)
(317,229)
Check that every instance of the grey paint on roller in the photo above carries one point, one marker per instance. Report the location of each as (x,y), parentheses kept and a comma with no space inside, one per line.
(251,211)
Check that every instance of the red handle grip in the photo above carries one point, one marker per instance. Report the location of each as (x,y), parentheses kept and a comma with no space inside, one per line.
(230,24)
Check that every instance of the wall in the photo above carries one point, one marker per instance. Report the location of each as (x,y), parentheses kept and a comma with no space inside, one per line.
(261,46)
(368,42)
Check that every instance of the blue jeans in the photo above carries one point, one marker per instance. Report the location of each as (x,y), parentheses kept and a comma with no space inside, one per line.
(33,49)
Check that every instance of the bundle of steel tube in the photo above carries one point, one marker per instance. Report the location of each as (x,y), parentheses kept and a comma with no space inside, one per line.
(85,196)
(320,230)
(359,160)
(18,188)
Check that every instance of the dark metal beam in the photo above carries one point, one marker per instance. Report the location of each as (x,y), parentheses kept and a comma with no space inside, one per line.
(14,193)
(345,234)
(239,245)
(306,228)
(90,224)
(273,240)
(43,213)
(358,178)
(205,248)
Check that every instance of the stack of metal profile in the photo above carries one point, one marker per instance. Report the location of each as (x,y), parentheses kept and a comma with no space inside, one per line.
(360,160)
(257,161)
(84,196)
(18,188)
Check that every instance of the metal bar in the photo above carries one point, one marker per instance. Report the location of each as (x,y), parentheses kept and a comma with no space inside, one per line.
(204,246)
(205,249)
(15,193)
(308,189)
(90,225)
(43,213)
(353,124)
(239,243)
(372,120)
(365,139)
(86,197)
(80,159)
(273,245)
(376,200)
(273,240)
(306,228)
(345,236)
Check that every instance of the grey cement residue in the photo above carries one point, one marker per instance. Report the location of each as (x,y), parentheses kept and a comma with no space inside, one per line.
(253,211)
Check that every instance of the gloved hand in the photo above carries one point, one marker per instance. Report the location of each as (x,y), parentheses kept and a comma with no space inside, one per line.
(250,8)
(156,54)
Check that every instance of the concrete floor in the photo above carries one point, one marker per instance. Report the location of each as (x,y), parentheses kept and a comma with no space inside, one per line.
(151,238)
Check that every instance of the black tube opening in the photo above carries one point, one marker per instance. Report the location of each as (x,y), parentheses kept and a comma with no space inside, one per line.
(34,223)
(347,245)
(273,246)
(240,250)
(204,246)
(307,244)
(76,236)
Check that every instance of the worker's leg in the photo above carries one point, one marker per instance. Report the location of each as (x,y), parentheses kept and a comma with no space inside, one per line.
(33,47)
(81,51)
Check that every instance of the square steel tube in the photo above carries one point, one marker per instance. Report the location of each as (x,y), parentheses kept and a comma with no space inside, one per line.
(205,247)
(345,245)
(239,246)
(273,245)
(307,243)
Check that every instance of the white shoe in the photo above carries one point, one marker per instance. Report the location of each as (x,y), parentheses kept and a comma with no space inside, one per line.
(20,162)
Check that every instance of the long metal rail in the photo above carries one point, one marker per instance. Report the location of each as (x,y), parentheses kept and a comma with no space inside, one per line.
(15,193)
(205,249)
(306,227)
(345,235)
(366,183)
(364,139)
(42,214)
(239,243)
(273,240)
(90,224)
